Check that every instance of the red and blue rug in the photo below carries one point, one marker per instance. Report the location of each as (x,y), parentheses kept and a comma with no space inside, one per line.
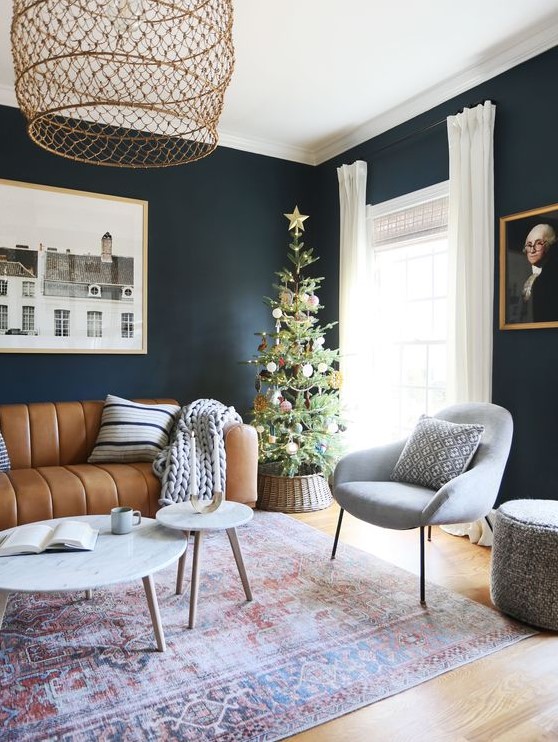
(320,639)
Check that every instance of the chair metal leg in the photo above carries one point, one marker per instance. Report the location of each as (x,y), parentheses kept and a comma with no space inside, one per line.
(430,533)
(489,523)
(337,533)
(422,599)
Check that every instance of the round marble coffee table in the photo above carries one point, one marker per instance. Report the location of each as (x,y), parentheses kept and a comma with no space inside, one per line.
(182,516)
(115,559)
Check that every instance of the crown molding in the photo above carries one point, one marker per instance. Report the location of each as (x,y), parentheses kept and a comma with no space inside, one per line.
(265,147)
(522,48)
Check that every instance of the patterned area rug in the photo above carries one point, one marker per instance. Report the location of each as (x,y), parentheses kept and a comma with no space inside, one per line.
(320,639)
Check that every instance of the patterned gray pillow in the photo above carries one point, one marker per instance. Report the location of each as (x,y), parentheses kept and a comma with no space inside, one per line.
(437,451)
(4,458)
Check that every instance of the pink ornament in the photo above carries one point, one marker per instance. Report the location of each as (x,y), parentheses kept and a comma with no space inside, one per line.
(285,406)
(313,300)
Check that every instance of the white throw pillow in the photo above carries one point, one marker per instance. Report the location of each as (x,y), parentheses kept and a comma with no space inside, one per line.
(131,431)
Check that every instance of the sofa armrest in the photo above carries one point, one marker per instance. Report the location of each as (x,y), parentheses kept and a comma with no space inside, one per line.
(241,448)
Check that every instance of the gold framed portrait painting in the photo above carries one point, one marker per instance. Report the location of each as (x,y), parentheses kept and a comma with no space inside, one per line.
(73,271)
(529,269)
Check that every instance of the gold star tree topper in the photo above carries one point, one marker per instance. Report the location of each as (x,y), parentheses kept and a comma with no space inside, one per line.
(295,220)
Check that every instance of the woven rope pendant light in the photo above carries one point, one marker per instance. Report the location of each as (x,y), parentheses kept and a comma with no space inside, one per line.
(128,83)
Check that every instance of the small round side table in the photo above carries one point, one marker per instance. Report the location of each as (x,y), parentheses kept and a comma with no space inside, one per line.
(182,516)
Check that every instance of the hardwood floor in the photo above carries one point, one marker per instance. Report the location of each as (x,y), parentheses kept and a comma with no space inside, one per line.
(509,696)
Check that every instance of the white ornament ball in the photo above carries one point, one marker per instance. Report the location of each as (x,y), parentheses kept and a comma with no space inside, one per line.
(260,428)
(332,427)
(271,366)
(291,448)
(285,406)
(307,370)
(319,341)
(277,313)
(313,300)
(304,297)
(322,367)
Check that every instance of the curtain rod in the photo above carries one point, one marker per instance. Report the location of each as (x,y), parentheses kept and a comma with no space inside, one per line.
(427,128)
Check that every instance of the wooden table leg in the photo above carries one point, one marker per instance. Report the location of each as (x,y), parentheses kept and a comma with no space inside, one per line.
(151,596)
(195,579)
(235,546)
(181,566)
(3,603)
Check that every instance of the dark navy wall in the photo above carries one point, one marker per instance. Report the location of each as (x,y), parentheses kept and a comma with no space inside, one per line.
(526,166)
(217,234)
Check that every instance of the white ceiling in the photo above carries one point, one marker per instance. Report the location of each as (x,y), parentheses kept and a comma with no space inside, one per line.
(315,77)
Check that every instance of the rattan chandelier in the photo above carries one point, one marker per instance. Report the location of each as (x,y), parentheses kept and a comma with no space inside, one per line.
(129,83)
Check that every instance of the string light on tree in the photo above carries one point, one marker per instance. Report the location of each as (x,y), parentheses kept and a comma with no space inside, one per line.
(297,412)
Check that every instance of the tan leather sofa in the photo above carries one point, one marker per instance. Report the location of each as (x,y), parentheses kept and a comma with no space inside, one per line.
(49,443)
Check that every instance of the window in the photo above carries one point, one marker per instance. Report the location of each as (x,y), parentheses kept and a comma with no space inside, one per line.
(28,288)
(94,324)
(61,322)
(3,287)
(127,325)
(409,325)
(3,316)
(28,319)
(127,292)
(94,290)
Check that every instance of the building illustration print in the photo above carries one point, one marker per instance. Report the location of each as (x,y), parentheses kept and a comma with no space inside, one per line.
(72,271)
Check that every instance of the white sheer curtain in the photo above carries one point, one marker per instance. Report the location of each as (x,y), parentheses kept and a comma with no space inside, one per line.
(354,289)
(471,254)
(471,267)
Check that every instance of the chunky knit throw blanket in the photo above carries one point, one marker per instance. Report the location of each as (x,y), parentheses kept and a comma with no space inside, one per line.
(205,418)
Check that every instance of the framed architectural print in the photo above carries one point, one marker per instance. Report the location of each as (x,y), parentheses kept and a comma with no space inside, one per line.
(73,271)
(529,269)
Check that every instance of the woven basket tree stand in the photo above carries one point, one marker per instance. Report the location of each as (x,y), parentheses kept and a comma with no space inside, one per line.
(301,494)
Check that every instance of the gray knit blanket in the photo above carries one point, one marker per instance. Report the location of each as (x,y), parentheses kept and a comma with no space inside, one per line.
(205,418)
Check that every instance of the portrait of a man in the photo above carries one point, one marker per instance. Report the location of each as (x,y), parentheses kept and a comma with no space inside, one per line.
(529,269)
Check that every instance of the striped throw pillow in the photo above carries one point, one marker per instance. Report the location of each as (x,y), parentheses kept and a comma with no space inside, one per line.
(4,458)
(131,431)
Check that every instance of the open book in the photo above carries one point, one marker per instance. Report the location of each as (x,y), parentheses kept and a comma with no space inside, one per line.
(34,538)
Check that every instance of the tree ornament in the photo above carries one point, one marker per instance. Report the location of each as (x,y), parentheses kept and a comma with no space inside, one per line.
(322,367)
(297,428)
(285,406)
(291,448)
(304,297)
(286,297)
(281,362)
(258,383)
(321,447)
(274,396)
(295,220)
(307,400)
(277,313)
(307,370)
(260,429)
(260,403)
(335,380)
(332,427)
(272,439)
(263,345)
(319,341)
(313,300)
(271,367)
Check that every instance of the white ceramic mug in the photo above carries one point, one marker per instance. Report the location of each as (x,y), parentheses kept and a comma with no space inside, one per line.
(122,519)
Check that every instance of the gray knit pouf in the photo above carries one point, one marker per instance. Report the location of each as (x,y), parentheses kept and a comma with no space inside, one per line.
(524,578)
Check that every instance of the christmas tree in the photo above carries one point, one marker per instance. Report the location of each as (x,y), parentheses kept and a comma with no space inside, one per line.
(296,409)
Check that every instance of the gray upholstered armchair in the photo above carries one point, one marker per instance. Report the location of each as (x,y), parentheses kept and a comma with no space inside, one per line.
(363,487)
